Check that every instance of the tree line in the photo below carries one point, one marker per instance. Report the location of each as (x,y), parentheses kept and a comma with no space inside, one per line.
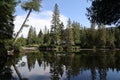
(75,34)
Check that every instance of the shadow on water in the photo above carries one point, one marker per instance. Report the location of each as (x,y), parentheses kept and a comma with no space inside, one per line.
(5,71)
(5,64)
(85,65)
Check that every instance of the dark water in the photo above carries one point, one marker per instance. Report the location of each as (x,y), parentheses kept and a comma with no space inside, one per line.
(85,65)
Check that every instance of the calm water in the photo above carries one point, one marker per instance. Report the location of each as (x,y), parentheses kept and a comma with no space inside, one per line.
(85,65)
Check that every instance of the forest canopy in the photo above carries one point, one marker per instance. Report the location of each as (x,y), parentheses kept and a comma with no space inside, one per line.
(104,11)
(7,8)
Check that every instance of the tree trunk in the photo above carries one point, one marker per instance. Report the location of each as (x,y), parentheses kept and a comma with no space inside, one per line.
(16,37)
(17,71)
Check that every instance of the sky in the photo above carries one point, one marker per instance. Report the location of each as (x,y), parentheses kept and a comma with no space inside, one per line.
(73,9)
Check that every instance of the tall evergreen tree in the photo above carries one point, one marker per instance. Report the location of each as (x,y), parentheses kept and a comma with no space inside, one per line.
(40,34)
(62,33)
(35,38)
(83,37)
(40,37)
(93,35)
(30,39)
(46,38)
(69,34)
(35,34)
(31,5)
(7,8)
(111,38)
(117,38)
(102,33)
(55,32)
(76,32)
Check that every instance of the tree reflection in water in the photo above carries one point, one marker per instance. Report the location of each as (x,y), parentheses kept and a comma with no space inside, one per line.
(73,66)
(5,71)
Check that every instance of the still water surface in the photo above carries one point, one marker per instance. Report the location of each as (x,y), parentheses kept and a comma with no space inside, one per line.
(85,65)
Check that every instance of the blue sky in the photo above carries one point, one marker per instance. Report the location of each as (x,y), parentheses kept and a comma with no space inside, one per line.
(73,9)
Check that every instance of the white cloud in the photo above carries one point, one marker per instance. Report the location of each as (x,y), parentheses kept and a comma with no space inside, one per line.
(64,19)
(37,20)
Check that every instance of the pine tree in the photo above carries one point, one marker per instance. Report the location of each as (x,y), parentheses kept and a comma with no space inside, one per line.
(76,32)
(40,34)
(103,35)
(83,37)
(111,38)
(47,38)
(117,38)
(62,33)
(35,34)
(7,8)
(35,39)
(31,5)
(93,35)
(55,32)
(69,35)
(30,39)
(40,37)
(104,11)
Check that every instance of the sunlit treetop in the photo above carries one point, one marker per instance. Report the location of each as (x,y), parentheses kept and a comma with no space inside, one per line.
(32,4)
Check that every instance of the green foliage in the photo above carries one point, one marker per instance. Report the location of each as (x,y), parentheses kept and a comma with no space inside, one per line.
(40,37)
(62,33)
(117,37)
(7,9)
(83,37)
(21,41)
(104,11)
(69,34)
(93,34)
(32,37)
(100,38)
(76,32)
(47,38)
(8,43)
(111,38)
(102,35)
(32,4)
(55,27)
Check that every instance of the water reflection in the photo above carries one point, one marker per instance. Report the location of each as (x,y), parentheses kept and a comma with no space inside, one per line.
(5,67)
(85,65)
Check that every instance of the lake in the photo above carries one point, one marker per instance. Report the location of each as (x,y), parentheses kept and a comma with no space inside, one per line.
(84,65)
